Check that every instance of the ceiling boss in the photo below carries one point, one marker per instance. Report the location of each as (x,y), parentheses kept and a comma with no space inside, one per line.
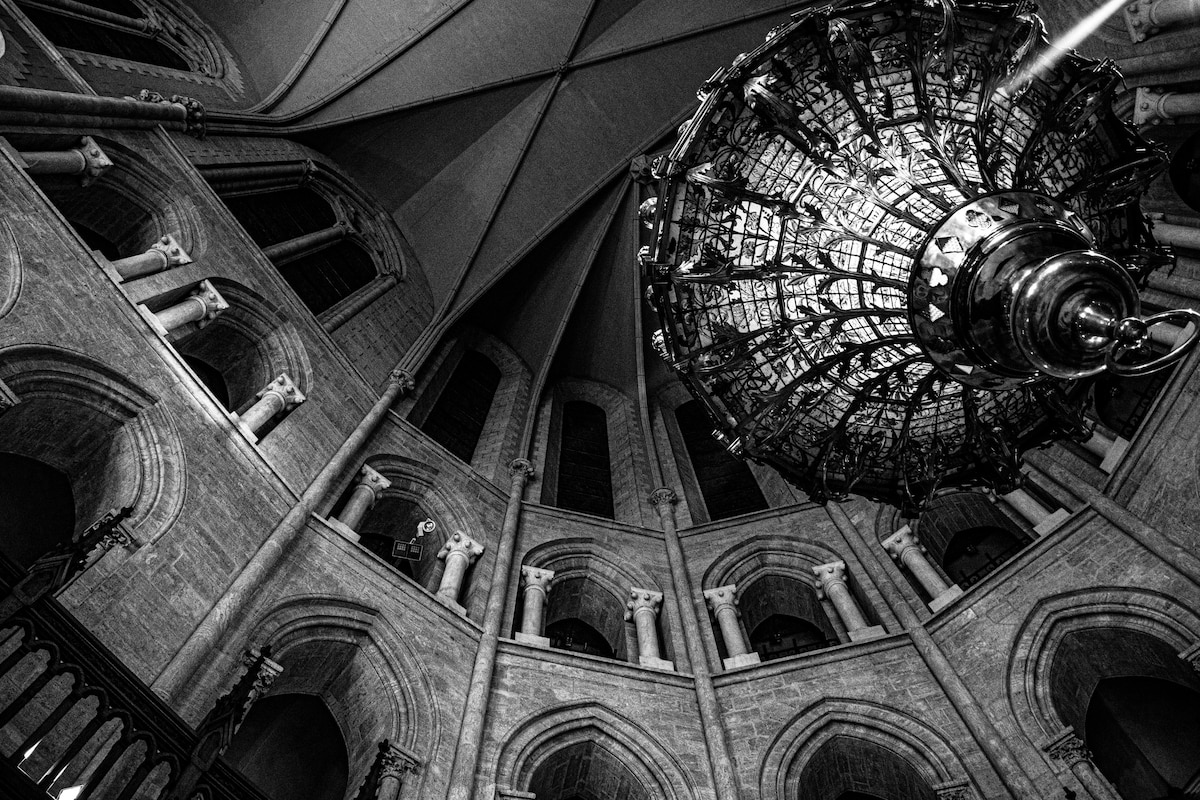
(896,241)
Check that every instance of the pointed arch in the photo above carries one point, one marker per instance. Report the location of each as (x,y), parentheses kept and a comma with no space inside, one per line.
(920,746)
(538,736)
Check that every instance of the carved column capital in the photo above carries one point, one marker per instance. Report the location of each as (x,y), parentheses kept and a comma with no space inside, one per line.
(395,762)
(722,597)
(535,578)
(900,541)
(642,600)
(1068,749)
(463,545)
(194,123)
(285,389)
(954,790)
(95,162)
(520,469)
(265,673)
(1192,656)
(402,378)
(830,575)
(372,480)
(213,302)
(172,251)
(663,496)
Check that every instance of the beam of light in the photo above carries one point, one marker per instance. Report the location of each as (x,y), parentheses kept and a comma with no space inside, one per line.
(1044,61)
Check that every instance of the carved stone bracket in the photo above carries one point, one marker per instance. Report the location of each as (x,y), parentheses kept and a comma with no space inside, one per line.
(661,496)
(194,122)
(1068,749)
(954,790)
(402,378)
(1192,656)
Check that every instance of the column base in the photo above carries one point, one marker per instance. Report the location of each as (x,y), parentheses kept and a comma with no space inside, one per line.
(744,660)
(656,663)
(450,604)
(945,598)
(866,634)
(1114,455)
(1051,522)
(533,639)
(342,528)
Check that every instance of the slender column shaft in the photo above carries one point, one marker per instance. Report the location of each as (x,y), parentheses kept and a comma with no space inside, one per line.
(163,254)
(1069,749)
(303,245)
(643,609)
(1178,235)
(20,105)
(459,553)
(366,492)
(278,395)
(903,547)
(291,172)
(199,645)
(533,610)
(359,301)
(202,306)
(138,24)
(1026,505)
(1166,335)
(706,697)
(470,736)
(1147,17)
(723,602)
(54,162)
(991,742)
(833,585)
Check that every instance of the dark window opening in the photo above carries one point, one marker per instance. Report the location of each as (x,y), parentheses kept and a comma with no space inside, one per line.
(323,278)
(291,747)
(79,34)
(726,483)
(1185,171)
(279,216)
(391,520)
(1145,736)
(457,418)
(211,377)
(974,554)
(37,508)
(781,635)
(1122,403)
(579,637)
(584,469)
(96,242)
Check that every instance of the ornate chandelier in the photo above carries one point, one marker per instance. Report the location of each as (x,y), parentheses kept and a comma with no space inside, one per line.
(895,241)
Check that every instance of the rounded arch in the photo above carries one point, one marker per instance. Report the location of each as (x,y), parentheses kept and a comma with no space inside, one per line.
(249,344)
(764,554)
(404,709)
(924,749)
(115,442)
(1053,619)
(130,206)
(597,585)
(539,736)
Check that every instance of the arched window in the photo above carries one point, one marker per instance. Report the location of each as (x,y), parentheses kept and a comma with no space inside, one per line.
(849,768)
(783,617)
(128,38)
(1136,706)
(967,536)
(584,469)
(726,483)
(290,746)
(458,415)
(585,617)
(582,770)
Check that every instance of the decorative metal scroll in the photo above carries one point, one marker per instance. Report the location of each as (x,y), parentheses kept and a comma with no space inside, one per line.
(800,192)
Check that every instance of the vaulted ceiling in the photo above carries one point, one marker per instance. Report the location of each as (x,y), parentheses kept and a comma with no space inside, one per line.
(499,135)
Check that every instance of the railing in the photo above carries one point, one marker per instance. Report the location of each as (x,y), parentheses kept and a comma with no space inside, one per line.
(76,724)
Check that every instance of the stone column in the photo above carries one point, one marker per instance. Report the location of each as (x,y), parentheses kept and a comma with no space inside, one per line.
(366,492)
(723,602)
(226,178)
(833,585)
(1069,750)
(276,397)
(1151,106)
(1108,449)
(163,254)
(537,586)
(176,680)
(394,764)
(201,307)
(459,552)
(86,160)
(906,550)
(292,249)
(642,608)
(1040,518)
(21,105)
(470,734)
(1148,17)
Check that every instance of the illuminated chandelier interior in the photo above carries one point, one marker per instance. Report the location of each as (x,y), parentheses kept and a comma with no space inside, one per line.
(895,243)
